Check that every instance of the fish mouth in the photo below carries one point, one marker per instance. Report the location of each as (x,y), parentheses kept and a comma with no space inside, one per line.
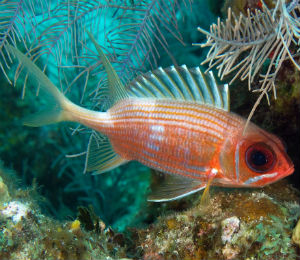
(289,171)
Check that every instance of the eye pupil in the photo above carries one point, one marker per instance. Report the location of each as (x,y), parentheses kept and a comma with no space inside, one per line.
(258,158)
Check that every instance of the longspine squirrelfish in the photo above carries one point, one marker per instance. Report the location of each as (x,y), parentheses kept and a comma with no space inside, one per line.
(175,120)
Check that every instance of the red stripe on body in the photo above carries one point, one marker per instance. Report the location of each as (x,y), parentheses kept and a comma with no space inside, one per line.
(172,136)
(183,141)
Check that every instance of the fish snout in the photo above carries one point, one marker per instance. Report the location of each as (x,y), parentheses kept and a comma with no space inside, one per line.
(289,171)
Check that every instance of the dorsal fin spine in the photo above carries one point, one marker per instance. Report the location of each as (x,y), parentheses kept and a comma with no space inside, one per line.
(196,86)
(216,91)
(147,82)
(188,82)
(226,96)
(156,77)
(181,83)
(140,90)
(208,90)
(162,84)
(178,90)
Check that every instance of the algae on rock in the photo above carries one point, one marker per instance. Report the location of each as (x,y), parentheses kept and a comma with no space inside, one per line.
(28,234)
(238,224)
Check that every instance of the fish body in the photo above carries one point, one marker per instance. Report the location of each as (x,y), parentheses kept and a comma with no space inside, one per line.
(173,120)
(188,139)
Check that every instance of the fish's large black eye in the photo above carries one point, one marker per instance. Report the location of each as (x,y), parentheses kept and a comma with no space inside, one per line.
(260,157)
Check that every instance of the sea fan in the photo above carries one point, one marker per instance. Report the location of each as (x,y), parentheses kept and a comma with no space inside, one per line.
(246,43)
(134,34)
(18,23)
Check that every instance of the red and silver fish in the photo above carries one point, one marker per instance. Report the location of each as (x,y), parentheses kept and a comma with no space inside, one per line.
(175,120)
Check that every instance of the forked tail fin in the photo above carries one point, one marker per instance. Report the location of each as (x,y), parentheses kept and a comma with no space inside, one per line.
(57,107)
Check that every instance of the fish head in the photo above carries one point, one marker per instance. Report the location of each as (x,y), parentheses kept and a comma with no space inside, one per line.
(256,158)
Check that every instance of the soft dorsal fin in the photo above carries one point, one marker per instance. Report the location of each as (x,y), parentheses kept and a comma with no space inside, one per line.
(181,83)
(117,90)
(101,156)
(175,187)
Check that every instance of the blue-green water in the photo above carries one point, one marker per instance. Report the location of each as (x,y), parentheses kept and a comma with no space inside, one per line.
(138,36)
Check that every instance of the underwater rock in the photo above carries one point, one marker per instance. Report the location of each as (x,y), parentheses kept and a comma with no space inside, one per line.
(15,210)
(26,233)
(229,227)
(237,224)
(230,252)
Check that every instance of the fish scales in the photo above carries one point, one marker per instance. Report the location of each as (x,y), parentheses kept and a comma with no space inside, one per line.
(170,136)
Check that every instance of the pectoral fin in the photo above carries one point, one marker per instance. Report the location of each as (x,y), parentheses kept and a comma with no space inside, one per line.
(175,187)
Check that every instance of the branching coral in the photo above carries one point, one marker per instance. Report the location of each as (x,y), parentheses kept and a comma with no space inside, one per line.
(245,44)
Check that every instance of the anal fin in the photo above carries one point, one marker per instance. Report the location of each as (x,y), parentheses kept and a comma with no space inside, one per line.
(101,156)
(175,187)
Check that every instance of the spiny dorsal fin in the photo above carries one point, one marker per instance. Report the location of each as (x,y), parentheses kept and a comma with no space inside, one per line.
(117,90)
(101,156)
(181,83)
(175,187)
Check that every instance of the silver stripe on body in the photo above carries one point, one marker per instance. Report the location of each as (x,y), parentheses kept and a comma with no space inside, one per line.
(260,177)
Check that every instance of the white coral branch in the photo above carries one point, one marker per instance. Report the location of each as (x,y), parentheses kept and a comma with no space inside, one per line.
(244,44)
(262,35)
